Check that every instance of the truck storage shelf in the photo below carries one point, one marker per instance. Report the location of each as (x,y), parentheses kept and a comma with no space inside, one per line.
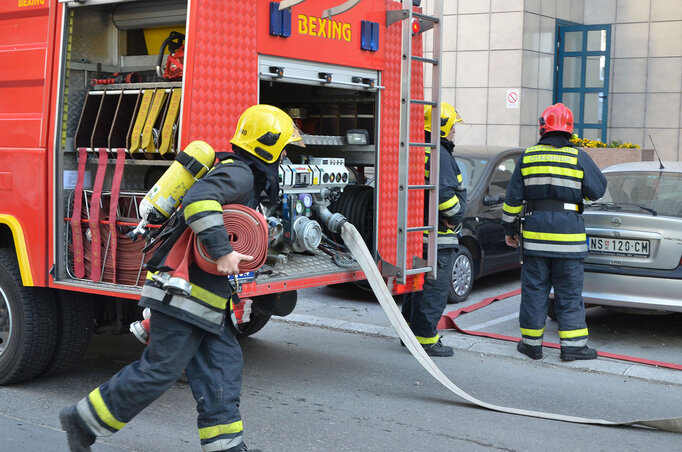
(328,140)
(130,87)
(132,63)
(132,161)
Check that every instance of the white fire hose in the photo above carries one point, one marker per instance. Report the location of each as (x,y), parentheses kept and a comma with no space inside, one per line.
(357,246)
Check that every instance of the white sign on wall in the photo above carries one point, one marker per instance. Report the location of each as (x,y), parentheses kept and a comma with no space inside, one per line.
(513,98)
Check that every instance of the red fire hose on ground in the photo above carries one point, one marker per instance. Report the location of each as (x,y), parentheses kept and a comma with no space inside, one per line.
(448,322)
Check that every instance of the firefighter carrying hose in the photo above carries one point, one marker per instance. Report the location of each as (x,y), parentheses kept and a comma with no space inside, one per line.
(195,333)
(422,310)
(553,178)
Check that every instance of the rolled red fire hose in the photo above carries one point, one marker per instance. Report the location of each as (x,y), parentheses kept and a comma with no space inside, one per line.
(248,232)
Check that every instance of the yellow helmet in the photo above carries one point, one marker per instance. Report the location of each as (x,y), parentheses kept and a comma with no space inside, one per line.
(263,131)
(448,118)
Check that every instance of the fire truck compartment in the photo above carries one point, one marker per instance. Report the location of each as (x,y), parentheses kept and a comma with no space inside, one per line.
(120,114)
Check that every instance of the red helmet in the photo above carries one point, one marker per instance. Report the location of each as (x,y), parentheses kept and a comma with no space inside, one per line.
(556,118)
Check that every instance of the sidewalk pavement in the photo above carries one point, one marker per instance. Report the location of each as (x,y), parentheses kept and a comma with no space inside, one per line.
(486,346)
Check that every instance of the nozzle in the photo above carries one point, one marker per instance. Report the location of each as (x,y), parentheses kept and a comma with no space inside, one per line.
(140,329)
(139,231)
(178,286)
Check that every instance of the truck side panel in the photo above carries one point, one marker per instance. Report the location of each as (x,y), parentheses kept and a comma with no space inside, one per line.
(221,71)
(25,58)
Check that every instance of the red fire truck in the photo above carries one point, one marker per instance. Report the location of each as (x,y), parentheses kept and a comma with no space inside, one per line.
(97,97)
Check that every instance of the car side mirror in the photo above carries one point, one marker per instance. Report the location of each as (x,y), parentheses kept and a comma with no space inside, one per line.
(493,200)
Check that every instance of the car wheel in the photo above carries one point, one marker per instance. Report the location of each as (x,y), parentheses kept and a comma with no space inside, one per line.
(254,325)
(461,276)
(551,312)
(27,324)
(76,314)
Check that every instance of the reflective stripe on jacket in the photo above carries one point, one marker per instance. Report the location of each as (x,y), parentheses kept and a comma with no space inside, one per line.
(553,170)
(203,307)
(452,196)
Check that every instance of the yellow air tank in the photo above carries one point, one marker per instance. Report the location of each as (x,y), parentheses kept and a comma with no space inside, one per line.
(166,195)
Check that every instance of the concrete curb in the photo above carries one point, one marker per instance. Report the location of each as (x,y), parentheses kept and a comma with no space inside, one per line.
(496,347)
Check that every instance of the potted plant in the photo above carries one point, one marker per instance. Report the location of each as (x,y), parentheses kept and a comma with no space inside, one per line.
(615,152)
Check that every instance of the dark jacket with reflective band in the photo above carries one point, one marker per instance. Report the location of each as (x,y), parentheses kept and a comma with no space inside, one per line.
(229,182)
(452,197)
(555,170)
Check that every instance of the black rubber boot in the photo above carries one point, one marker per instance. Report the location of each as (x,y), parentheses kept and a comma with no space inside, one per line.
(531,351)
(79,437)
(438,349)
(573,353)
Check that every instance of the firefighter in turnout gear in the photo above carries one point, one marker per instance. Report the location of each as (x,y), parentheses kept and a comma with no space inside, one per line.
(195,333)
(422,310)
(552,178)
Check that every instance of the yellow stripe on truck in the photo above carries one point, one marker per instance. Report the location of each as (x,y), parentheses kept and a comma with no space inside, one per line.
(20,248)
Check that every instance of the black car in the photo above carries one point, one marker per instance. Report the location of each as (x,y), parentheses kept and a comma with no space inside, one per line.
(486,173)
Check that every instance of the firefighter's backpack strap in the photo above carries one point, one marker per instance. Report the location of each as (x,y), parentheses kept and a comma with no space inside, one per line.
(170,234)
(191,164)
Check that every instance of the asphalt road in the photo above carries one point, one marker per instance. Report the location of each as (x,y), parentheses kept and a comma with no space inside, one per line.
(332,377)
(315,389)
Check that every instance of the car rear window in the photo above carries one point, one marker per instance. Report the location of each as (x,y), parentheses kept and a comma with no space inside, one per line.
(660,191)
